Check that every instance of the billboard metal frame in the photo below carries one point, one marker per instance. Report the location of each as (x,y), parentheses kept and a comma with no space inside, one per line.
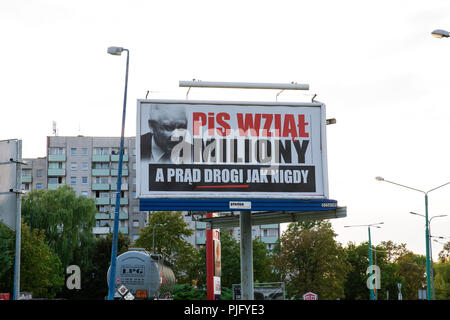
(280,199)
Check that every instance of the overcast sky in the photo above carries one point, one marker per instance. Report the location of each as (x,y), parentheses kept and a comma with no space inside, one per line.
(373,63)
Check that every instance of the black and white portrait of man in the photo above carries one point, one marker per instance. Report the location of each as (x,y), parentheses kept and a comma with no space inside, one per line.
(163,121)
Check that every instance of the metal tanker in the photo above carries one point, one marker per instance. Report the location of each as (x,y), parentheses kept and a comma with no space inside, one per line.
(145,275)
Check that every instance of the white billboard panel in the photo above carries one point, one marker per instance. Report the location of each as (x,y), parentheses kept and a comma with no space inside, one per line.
(222,149)
(8,177)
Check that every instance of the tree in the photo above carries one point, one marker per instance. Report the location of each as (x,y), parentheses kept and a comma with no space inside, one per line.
(310,259)
(412,269)
(67,220)
(262,268)
(94,285)
(444,254)
(355,285)
(41,271)
(165,234)
(442,280)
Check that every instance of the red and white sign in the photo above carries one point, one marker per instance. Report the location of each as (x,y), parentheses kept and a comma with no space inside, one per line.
(310,296)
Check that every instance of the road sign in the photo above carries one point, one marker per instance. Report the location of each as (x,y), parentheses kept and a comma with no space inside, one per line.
(310,296)
(122,290)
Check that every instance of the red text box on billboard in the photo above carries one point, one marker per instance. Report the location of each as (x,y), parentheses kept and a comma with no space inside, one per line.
(223,149)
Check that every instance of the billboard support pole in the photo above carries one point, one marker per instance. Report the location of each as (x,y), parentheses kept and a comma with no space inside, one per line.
(209,261)
(18,221)
(246,255)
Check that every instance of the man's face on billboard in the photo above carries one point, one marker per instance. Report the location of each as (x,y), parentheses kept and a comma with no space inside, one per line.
(164,122)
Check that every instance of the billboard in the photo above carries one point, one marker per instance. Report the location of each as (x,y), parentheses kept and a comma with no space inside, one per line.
(223,149)
(8,182)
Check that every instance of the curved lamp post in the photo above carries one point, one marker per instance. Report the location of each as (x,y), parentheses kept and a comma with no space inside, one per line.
(431,247)
(427,228)
(370,245)
(439,33)
(117,51)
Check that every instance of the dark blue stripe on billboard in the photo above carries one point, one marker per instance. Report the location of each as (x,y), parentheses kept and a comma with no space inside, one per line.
(224,204)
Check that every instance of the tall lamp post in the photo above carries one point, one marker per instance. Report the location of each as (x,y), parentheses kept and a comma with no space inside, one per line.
(431,248)
(372,297)
(117,51)
(427,229)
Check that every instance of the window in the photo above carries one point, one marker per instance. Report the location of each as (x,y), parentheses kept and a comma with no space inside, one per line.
(39,186)
(101,165)
(73,151)
(101,151)
(39,173)
(84,151)
(56,151)
(123,223)
(53,180)
(73,180)
(55,165)
(101,180)
(103,208)
(134,165)
(73,166)
(84,166)
(84,194)
(135,223)
(26,173)
(84,180)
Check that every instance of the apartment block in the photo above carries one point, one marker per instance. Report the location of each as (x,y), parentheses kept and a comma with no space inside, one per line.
(90,165)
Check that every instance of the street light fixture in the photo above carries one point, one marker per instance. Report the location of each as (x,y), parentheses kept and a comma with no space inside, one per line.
(117,51)
(439,33)
(427,229)
(375,225)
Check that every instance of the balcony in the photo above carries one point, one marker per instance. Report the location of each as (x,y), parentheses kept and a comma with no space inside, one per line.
(123,201)
(101,216)
(100,158)
(123,230)
(115,158)
(56,158)
(56,172)
(200,239)
(26,178)
(100,230)
(267,240)
(122,215)
(102,201)
(115,172)
(54,186)
(269,226)
(123,187)
(200,225)
(100,172)
(100,186)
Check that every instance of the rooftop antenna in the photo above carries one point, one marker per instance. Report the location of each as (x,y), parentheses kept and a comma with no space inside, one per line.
(55,132)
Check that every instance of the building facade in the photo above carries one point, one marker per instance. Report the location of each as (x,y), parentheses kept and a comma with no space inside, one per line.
(90,166)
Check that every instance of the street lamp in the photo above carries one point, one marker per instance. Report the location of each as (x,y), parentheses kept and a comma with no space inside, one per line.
(117,51)
(370,245)
(431,246)
(427,230)
(439,33)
